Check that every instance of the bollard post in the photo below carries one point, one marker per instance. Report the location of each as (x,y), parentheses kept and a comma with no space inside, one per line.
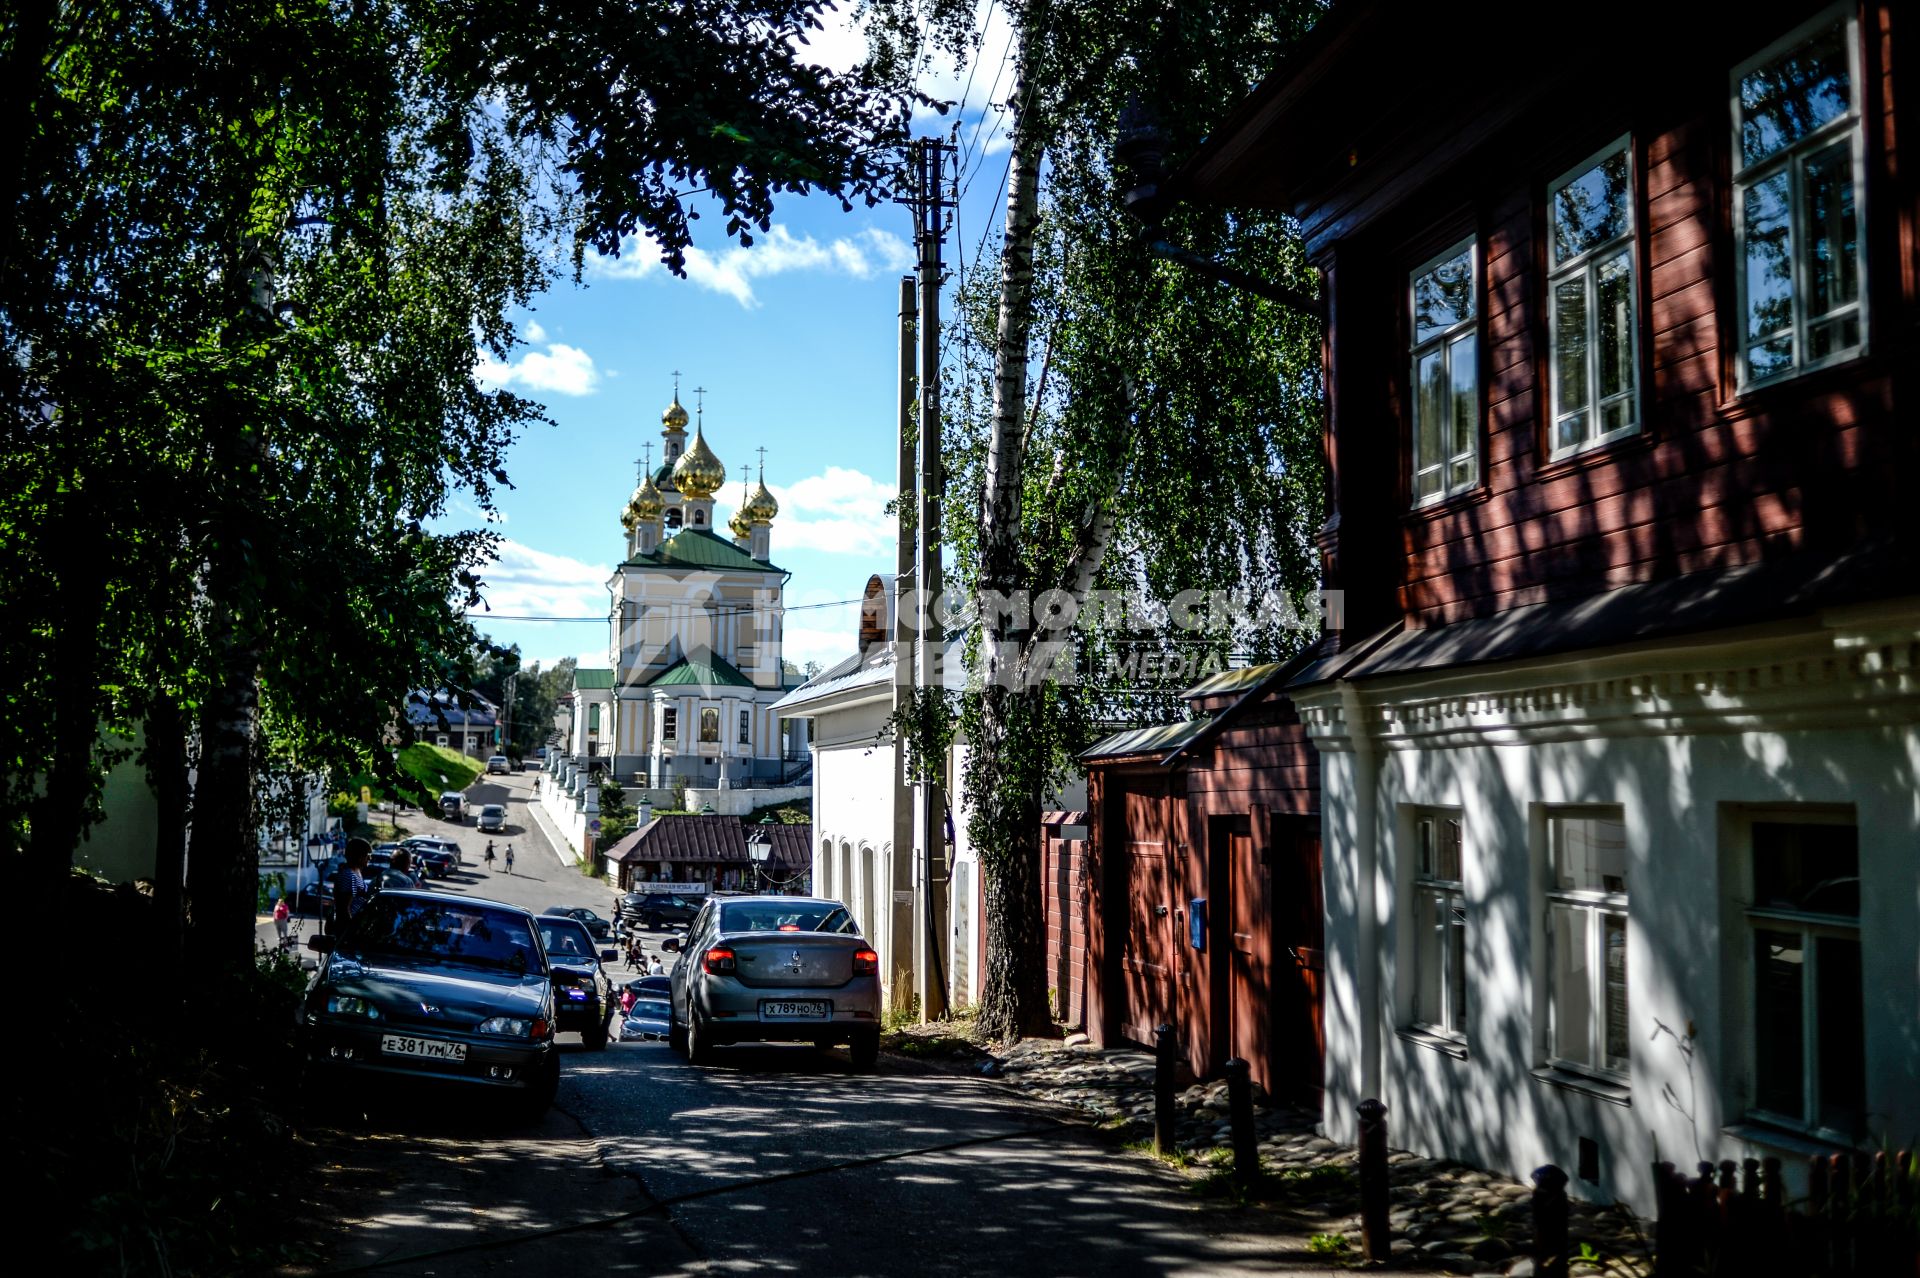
(1166,1059)
(1246,1150)
(1375,1236)
(1549,1222)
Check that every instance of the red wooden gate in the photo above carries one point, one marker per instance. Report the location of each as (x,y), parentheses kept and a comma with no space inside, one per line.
(1146,961)
(1249,982)
(1299,949)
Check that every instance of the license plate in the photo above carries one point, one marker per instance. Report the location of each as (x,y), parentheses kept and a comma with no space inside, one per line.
(805,1010)
(433,1049)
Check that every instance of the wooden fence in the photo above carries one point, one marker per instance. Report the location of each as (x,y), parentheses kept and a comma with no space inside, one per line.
(1860,1219)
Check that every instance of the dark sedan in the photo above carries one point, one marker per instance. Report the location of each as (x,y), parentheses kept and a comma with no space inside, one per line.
(600,927)
(648,1015)
(448,989)
(654,908)
(583,993)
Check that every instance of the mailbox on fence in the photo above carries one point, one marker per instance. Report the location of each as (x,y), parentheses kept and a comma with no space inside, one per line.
(1197,922)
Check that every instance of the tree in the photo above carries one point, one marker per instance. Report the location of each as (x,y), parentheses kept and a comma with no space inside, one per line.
(248,250)
(1169,442)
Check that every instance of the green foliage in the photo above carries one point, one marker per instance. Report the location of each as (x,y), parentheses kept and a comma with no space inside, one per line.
(792,812)
(432,770)
(617,817)
(1334,1245)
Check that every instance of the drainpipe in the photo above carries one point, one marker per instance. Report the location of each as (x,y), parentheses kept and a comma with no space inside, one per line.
(1366,848)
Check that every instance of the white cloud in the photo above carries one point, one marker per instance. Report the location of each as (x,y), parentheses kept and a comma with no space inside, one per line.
(562,369)
(817,642)
(535,333)
(840,512)
(733,270)
(524,582)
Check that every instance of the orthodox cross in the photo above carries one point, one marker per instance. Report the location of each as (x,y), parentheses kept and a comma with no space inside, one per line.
(699,404)
(644,463)
(763,462)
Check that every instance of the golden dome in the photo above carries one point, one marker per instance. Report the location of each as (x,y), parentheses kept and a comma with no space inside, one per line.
(675,417)
(760,507)
(644,506)
(739,525)
(698,474)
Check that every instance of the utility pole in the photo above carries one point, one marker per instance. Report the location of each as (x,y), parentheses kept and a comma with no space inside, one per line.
(904,949)
(930,206)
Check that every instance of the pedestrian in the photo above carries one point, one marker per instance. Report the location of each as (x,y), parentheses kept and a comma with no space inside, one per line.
(350,890)
(281,918)
(655,967)
(635,959)
(402,864)
(489,855)
(509,858)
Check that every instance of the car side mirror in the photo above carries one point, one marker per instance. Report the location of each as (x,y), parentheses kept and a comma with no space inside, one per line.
(671,945)
(320,944)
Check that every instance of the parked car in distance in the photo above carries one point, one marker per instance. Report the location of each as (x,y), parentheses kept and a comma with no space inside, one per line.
(540,753)
(436,857)
(447,989)
(318,894)
(774,969)
(600,928)
(648,1015)
(453,805)
(497,765)
(492,816)
(582,991)
(654,908)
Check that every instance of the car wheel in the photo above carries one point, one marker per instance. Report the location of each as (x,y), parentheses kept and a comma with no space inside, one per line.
(596,1036)
(651,922)
(699,1040)
(676,1032)
(865,1049)
(532,1105)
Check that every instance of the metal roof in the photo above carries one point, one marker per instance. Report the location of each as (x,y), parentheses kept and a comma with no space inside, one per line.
(592,680)
(680,839)
(1155,739)
(700,548)
(706,670)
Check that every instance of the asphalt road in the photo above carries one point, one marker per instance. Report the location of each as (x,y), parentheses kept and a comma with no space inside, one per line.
(776,1159)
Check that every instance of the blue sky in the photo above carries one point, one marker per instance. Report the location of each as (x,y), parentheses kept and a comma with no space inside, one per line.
(795,341)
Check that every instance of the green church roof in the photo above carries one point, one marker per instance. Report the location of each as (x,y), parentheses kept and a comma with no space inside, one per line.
(700,548)
(592,680)
(709,670)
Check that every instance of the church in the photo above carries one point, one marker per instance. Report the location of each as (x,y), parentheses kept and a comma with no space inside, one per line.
(693,656)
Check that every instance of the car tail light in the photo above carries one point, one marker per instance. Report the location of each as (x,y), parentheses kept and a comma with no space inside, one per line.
(866,963)
(719,960)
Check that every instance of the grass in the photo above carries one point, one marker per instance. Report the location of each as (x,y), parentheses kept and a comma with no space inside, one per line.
(792,812)
(1335,1245)
(1175,1157)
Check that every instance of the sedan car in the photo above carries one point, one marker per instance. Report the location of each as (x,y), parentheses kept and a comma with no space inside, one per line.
(599,927)
(492,817)
(448,989)
(654,908)
(497,765)
(436,857)
(583,993)
(647,1015)
(774,969)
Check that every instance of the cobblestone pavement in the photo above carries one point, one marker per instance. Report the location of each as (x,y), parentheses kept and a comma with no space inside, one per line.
(1445,1215)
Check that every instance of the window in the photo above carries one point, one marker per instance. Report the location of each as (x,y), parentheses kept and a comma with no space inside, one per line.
(746,727)
(1440,926)
(1587,942)
(710,725)
(1809,1049)
(1798,153)
(593,718)
(1446,375)
(1590,316)
(670,724)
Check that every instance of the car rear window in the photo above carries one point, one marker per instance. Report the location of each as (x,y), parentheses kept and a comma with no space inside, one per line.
(565,938)
(407,927)
(786,916)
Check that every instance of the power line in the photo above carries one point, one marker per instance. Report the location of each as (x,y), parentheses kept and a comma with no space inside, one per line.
(733,610)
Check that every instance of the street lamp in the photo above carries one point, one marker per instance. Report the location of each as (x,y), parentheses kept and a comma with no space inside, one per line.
(760,852)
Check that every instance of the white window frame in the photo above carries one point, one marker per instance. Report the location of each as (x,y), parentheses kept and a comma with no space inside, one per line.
(746,727)
(1810,926)
(1449,898)
(670,724)
(1791,159)
(1585,264)
(1597,905)
(1443,341)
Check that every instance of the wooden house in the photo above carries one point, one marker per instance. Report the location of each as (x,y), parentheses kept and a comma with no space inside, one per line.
(1619,745)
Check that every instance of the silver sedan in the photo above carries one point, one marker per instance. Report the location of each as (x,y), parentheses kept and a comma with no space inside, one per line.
(774,969)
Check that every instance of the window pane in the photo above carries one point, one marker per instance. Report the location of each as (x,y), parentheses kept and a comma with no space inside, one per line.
(1446,861)
(1570,342)
(1613,938)
(1457,965)
(1769,269)
(1841,334)
(1464,367)
(1832,249)
(1779,1023)
(1431,408)
(1613,286)
(1591,209)
(1428,964)
(1570,431)
(1571,992)
(1815,868)
(1443,297)
(1842,1066)
(1793,95)
(1589,854)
